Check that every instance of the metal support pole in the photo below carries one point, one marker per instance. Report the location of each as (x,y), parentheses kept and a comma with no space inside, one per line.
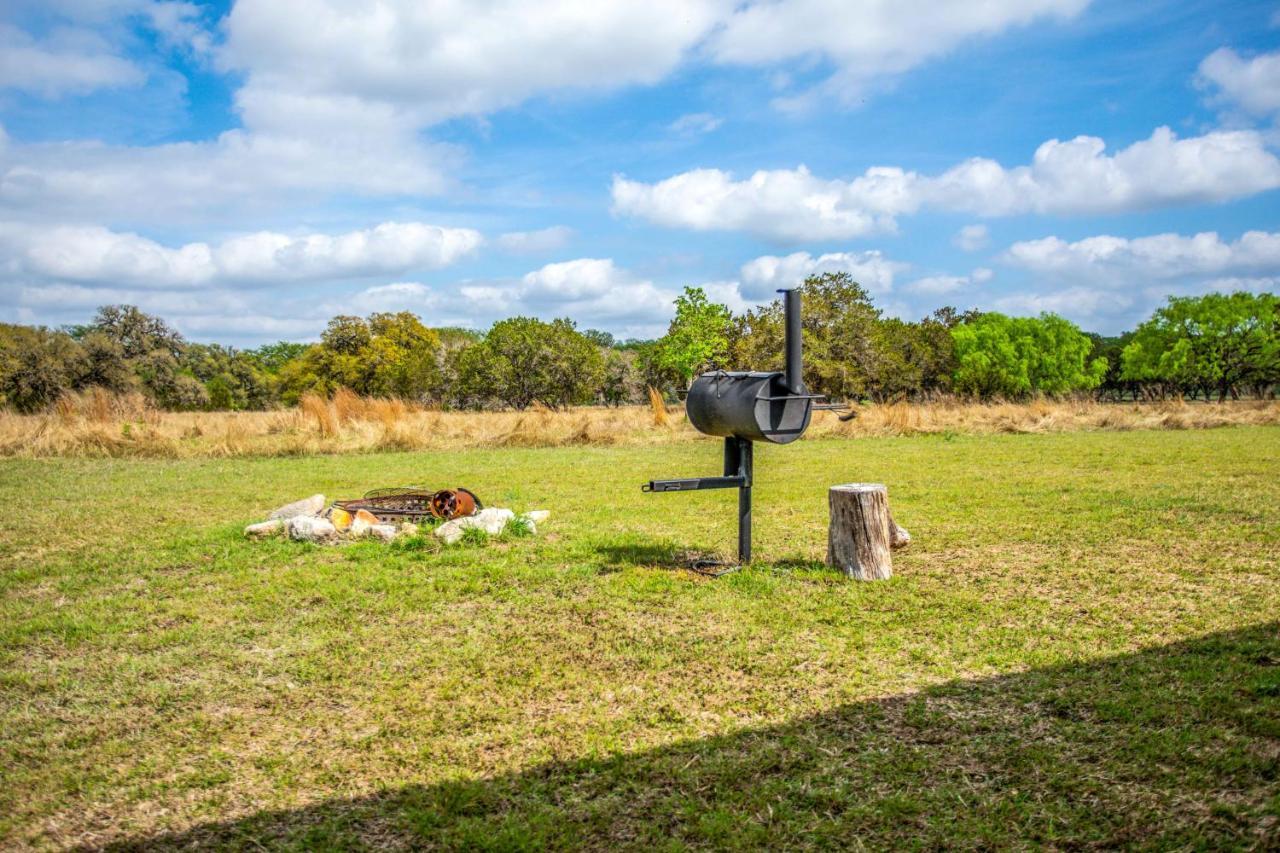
(738,453)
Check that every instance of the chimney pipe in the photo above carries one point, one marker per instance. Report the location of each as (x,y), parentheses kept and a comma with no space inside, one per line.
(794,378)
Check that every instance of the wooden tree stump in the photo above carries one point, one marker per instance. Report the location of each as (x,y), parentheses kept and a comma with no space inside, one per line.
(862,531)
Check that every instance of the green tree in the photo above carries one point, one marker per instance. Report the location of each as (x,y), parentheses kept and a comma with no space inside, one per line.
(387,355)
(698,336)
(524,360)
(1213,343)
(1015,357)
(841,337)
(37,366)
(136,332)
(622,382)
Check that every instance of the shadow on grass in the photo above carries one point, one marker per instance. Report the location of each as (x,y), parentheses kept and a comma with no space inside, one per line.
(1175,746)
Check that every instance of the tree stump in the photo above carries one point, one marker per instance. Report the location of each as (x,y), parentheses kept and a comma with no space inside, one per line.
(862,531)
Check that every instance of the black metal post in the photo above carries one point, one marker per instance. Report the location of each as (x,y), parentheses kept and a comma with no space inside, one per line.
(738,460)
(746,450)
(794,370)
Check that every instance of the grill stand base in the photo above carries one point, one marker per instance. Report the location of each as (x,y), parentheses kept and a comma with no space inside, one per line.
(738,465)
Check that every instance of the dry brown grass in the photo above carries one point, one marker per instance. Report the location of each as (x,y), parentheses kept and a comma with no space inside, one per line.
(100,424)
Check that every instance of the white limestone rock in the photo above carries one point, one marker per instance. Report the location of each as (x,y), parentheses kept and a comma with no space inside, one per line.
(264,528)
(491,520)
(308,528)
(537,516)
(385,532)
(313,505)
(359,528)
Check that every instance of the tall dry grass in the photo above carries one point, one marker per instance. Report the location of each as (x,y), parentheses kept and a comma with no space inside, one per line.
(100,424)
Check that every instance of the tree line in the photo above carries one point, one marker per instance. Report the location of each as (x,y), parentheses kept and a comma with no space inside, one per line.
(1217,345)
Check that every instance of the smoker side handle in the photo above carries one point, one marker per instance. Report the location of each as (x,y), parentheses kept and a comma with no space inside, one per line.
(692,484)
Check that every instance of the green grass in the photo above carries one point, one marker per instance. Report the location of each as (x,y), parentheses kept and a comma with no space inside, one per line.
(1080,648)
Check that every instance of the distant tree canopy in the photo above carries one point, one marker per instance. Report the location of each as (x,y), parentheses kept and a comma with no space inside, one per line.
(523,360)
(1219,345)
(697,338)
(387,355)
(1016,357)
(850,350)
(1214,344)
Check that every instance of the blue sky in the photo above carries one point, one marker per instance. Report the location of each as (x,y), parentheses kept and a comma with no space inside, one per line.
(249,169)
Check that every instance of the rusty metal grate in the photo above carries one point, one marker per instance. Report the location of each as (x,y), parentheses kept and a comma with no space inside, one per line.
(414,503)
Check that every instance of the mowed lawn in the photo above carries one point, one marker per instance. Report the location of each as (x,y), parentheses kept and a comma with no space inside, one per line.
(1079,648)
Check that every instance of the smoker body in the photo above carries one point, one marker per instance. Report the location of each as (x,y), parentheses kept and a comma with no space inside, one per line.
(744,407)
(756,406)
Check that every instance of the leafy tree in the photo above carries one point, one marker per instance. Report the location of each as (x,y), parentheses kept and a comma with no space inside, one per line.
(137,333)
(524,360)
(622,381)
(599,338)
(233,379)
(37,366)
(386,355)
(1212,343)
(698,336)
(1015,357)
(841,330)
(271,358)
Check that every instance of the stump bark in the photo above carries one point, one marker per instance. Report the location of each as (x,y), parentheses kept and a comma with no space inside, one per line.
(862,531)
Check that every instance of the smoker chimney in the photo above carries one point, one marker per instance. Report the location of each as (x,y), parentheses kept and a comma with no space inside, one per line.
(794,379)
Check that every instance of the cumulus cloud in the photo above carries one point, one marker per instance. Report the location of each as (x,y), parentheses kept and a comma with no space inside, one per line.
(1090,306)
(532,242)
(69,61)
(237,170)
(1251,84)
(97,254)
(1072,177)
(971,238)
(1162,256)
(441,60)
(790,205)
(867,40)
(765,274)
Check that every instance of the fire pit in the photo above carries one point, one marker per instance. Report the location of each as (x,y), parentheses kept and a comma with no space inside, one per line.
(745,407)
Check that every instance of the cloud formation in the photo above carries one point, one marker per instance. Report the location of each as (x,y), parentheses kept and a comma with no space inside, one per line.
(1072,177)
(867,40)
(1250,84)
(69,61)
(93,254)
(1161,256)
(766,274)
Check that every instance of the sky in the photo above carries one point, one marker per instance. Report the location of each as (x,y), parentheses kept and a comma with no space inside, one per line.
(249,169)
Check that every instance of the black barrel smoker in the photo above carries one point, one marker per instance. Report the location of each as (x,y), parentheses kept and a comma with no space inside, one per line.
(745,407)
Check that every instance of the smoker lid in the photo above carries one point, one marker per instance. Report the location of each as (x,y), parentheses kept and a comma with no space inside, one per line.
(742,374)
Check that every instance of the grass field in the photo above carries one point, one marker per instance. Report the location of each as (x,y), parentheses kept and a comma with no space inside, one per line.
(1079,649)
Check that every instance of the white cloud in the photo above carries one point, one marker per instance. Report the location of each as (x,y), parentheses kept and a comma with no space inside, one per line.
(1162,256)
(238,170)
(762,276)
(69,61)
(695,123)
(1085,305)
(439,60)
(936,285)
(532,242)
(787,205)
(98,255)
(1072,177)
(869,39)
(971,238)
(1252,84)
